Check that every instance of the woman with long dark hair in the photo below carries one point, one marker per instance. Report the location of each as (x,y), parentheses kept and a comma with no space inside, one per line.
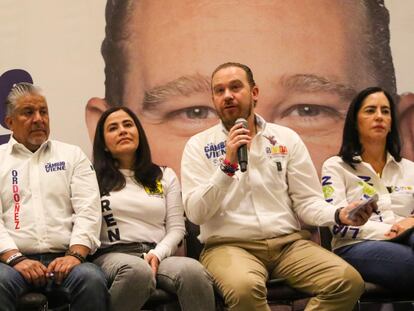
(143,220)
(369,163)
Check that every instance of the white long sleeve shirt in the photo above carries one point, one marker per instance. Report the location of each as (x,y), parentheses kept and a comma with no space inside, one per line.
(342,184)
(280,183)
(49,199)
(135,214)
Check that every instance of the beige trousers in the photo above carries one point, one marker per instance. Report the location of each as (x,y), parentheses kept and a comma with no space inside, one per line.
(240,269)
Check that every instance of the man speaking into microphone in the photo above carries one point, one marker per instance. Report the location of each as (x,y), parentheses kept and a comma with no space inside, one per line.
(249,220)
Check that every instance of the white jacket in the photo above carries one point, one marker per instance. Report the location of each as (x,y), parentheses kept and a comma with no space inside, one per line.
(49,199)
(260,203)
(342,185)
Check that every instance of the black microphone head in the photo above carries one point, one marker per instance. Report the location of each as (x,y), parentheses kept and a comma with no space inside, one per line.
(243,121)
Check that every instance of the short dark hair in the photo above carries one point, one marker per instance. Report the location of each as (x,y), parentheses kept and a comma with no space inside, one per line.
(246,69)
(109,177)
(351,145)
(118,14)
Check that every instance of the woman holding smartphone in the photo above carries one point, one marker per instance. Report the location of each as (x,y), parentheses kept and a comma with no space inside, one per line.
(143,221)
(369,164)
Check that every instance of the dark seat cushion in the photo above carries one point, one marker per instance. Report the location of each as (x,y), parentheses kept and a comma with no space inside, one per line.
(159,297)
(279,292)
(376,293)
(32,301)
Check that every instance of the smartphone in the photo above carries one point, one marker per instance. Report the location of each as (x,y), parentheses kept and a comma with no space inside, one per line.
(352,213)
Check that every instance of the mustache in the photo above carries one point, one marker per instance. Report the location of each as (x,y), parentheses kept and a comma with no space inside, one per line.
(37,128)
(229,103)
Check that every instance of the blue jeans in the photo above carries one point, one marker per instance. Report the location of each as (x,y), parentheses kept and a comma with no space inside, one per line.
(388,264)
(86,285)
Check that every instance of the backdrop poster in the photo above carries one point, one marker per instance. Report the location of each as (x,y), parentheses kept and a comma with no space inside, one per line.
(158,56)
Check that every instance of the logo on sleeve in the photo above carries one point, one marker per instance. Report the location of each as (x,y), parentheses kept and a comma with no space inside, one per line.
(367,189)
(327,188)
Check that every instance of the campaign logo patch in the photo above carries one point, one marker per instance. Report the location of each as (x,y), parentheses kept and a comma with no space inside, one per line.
(214,151)
(276,153)
(158,191)
(278,150)
(272,140)
(275,150)
(403,189)
(56,166)
(367,190)
(327,188)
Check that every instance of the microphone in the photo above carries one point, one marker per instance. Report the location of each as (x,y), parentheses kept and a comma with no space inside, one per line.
(242,151)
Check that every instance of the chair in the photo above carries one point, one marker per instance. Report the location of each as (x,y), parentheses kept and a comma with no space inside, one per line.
(159,299)
(32,302)
(373,294)
(278,291)
(57,300)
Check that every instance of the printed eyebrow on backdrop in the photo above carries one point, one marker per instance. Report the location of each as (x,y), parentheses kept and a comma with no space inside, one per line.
(7,80)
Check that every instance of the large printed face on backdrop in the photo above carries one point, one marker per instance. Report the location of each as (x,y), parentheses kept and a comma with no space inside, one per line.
(307,58)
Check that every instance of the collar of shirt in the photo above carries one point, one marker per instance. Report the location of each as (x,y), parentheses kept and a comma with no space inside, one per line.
(15,146)
(390,159)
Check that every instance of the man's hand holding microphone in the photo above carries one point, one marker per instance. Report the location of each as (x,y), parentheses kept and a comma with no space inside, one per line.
(238,140)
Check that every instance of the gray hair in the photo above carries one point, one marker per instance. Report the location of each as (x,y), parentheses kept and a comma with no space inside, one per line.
(19,90)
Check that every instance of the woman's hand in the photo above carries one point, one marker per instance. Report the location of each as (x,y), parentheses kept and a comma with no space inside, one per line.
(360,217)
(153,262)
(400,227)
